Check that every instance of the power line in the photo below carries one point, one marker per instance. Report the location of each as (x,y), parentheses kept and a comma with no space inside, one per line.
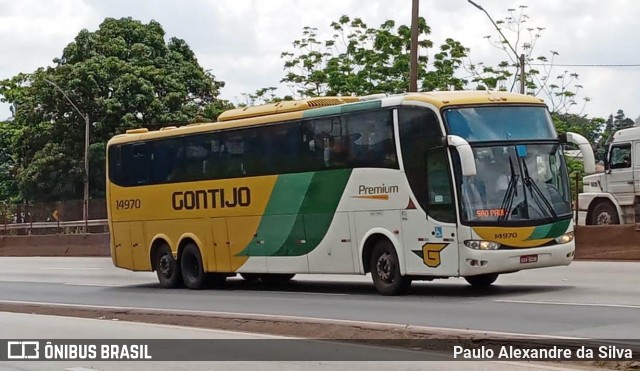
(584,65)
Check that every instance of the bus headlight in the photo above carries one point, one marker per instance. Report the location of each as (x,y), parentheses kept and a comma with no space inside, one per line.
(565,238)
(482,245)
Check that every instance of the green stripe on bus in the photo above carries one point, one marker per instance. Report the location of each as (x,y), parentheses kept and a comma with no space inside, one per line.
(319,207)
(552,230)
(280,215)
(298,233)
(346,108)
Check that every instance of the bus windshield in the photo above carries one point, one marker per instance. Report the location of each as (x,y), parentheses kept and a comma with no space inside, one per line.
(518,182)
(497,123)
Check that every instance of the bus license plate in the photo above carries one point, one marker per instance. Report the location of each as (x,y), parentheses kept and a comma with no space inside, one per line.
(524,259)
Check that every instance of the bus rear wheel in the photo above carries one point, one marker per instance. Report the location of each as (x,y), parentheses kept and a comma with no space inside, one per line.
(276,278)
(482,280)
(385,270)
(167,268)
(193,274)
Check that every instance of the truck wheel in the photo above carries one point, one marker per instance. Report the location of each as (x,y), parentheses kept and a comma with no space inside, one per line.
(604,213)
(482,280)
(193,273)
(167,268)
(385,270)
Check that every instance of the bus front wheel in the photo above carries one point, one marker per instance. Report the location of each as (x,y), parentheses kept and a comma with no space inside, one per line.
(482,280)
(385,270)
(193,273)
(167,268)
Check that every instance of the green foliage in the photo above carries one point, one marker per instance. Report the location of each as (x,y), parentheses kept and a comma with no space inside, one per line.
(122,76)
(362,60)
(613,124)
(8,185)
(576,173)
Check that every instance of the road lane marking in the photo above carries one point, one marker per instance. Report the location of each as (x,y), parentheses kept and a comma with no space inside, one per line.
(89,284)
(71,268)
(80,369)
(629,306)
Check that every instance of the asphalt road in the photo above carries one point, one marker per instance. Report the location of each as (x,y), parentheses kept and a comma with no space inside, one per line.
(587,299)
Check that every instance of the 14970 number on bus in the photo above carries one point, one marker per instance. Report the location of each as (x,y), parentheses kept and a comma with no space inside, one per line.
(133,203)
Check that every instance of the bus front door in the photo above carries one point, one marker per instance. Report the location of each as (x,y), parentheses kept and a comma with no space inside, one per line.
(430,246)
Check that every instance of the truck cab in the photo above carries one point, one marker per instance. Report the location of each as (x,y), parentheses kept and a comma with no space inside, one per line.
(611,197)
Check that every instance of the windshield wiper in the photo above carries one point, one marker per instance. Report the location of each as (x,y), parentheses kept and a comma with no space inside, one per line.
(512,192)
(536,193)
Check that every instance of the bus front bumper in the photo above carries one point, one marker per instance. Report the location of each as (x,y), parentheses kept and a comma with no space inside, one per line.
(474,262)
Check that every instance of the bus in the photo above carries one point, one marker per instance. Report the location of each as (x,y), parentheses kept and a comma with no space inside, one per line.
(417,186)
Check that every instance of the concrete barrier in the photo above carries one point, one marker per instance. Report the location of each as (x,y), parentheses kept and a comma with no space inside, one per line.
(55,245)
(612,242)
(618,242)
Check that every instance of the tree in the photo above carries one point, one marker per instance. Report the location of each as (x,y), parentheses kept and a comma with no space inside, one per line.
(590,128)
(8,185)
(124,75)
(361,60)
(516,37)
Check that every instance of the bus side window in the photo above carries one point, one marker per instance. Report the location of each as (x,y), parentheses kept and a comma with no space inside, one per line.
(166,160)
(372,140)
(234,144)
(140,161)
(212,164)
(116,170)
(440,205)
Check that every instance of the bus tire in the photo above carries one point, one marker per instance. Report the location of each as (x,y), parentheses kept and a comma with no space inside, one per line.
(193,274)
(250,277)
(385,270)
(604,213)
(482,280)
(276,278)
(167,268)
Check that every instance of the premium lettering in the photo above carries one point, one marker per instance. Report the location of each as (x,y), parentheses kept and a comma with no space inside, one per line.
(211,198)
(382,189)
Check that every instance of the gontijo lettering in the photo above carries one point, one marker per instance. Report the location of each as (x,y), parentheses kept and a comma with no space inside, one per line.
(211,198)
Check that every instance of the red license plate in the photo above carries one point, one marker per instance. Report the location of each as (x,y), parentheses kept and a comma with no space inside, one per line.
(524,259)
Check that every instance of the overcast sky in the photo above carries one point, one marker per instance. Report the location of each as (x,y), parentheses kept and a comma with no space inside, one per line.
(240,41)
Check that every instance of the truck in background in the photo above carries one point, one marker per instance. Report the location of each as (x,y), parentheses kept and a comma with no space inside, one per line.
(613,197)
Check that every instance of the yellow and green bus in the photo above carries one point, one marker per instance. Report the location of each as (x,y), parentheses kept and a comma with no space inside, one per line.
(408,187)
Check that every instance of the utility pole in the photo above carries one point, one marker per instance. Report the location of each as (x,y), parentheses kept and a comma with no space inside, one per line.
(85,201)
(413,68)
(519,58)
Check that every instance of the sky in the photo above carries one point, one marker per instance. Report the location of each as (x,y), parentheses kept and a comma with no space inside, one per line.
(240,41)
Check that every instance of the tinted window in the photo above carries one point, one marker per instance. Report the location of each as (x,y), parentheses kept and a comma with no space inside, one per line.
(440,203)
(620,156)
(361,139)
(419,132)
(494,123)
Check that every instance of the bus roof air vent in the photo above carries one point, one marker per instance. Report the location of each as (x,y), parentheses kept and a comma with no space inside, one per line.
(137,131)
(284,107)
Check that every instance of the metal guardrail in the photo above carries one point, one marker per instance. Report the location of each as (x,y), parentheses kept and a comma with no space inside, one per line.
(61,224)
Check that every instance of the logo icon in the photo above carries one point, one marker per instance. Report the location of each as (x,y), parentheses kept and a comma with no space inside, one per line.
(23,350)
(438,232)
